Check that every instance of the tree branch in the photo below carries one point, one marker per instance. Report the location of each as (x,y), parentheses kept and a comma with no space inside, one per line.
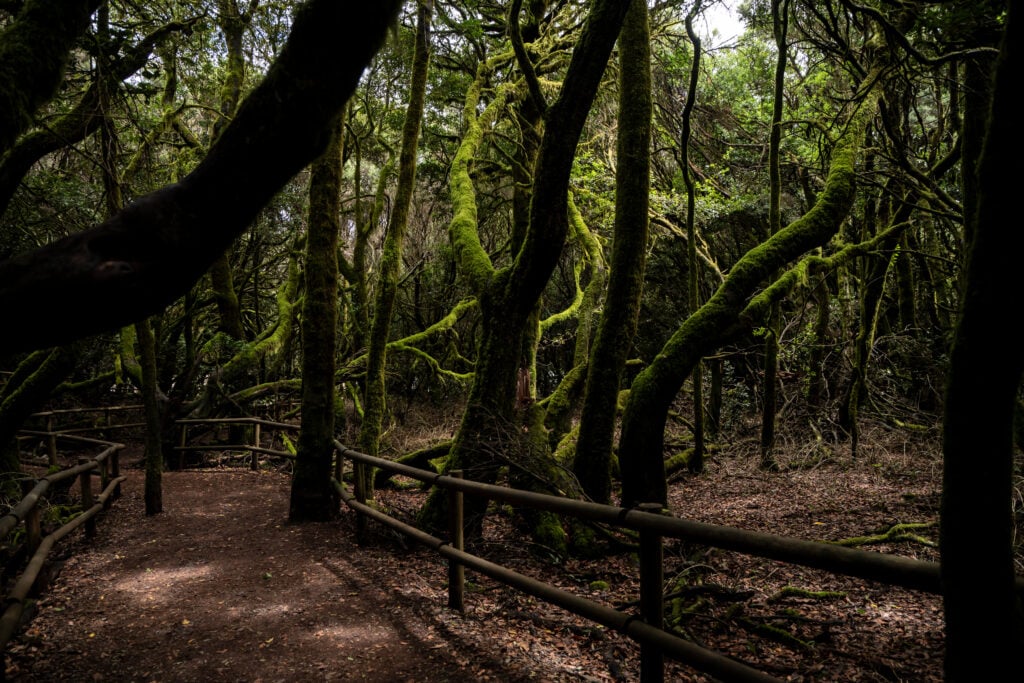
(146,256)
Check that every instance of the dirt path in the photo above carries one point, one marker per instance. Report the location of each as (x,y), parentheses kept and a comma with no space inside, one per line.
(220,588)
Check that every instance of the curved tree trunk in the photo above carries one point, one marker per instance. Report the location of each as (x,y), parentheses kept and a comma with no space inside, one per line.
(508,296)
(717,321)
(150,253)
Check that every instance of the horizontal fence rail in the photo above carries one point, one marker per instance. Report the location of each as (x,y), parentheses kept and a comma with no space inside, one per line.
(51,432)
(652,526)
(254,448)
(26,511)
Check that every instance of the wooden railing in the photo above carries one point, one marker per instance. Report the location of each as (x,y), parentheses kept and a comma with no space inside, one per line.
(51,432)
(27,512)
(254,449)
(653,525)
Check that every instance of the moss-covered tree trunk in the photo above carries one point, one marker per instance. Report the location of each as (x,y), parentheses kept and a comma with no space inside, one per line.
(984,618)
(780,27)
(508,296)
(153,487)
(313,497)
(391,259)
(614,339)
(641,444)
(232,24)
(34,50)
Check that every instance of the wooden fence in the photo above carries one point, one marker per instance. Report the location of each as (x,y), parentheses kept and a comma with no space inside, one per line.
(50,432)
(652,525)
(254,449)
(27,512)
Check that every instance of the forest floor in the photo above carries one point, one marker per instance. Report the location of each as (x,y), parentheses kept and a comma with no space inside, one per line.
(219,587)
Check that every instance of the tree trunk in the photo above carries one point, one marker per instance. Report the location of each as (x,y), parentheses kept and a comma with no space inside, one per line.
(153,488)
(614,340)
(508,296)
(391,259)
(641,444)
(780,26)
(984,619)
(313,497)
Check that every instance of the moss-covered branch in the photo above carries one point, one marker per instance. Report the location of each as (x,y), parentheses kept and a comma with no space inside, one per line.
(34,50)
(473,262)
(711,325)
(897,533)
(154,250)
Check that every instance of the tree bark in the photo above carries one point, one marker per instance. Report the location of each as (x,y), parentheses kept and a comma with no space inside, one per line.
(391,259)
(614,340)
(984,618)
(313,498)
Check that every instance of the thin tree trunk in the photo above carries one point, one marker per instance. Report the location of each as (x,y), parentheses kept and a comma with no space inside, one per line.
(695,463)
(614,340)
(153,487)
(391,259)
(780,27)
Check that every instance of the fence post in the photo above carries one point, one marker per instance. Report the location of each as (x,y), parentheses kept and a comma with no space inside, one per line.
(359,484)
(456,534)
(33,529)
(115,472)
(51,442)
(85,478)
(652,607)
(339,466)
(182,442)
(105,479)
(256,444)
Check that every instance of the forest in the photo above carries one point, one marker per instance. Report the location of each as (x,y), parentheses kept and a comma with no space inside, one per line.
(580,245)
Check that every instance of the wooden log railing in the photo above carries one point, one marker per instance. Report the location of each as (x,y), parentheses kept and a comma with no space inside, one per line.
(51,432)
(26,512)
(653,525)
(254,449)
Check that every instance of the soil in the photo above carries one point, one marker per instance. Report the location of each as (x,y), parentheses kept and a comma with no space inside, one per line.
(219,587)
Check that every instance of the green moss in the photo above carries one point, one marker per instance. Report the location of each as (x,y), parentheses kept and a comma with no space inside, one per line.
(793,591)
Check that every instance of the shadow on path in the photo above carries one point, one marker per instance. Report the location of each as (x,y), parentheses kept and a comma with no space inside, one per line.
(220,588)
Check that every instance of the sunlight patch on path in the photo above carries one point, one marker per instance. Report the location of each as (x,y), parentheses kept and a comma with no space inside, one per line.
(162,584)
